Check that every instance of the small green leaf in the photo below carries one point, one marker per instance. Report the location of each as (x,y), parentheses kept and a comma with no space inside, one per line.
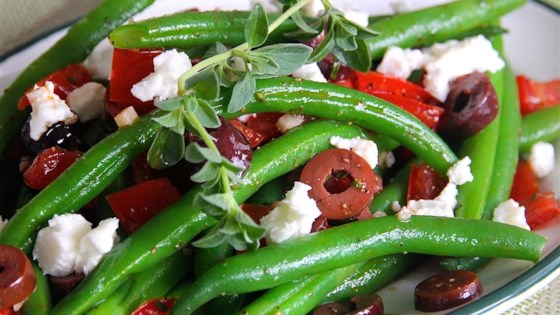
(208,172)
(358,59)
(214,49)
(172,120)
(167,149)
(263,65)
(321,51)
(289,57)
(195,153)
(170,104)
(348,43)
(206,115)
(211,239)
(205,84)
(300,22)
(242,92)
(256,27)
(219,200)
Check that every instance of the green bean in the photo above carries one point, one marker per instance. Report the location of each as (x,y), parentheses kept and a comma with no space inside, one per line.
(205,258)
(542,125)
(152,283)
(481,148)
(39,303)
(190,29)
(178,224)
(80,183)
(74,47)
(354,242)
(436,24)
(395,191)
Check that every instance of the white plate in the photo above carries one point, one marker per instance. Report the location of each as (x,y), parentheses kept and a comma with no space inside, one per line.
(533,49)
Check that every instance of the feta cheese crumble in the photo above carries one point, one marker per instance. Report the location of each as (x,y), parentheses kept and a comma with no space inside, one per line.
(541,158)
(271,6)
(400,63)
(99,61)
(68,244)
(289,121)
(510,212)
(162,83)
(46,110)
(310,72)
(367,149)
(292,217)
(444,204)
(87,101)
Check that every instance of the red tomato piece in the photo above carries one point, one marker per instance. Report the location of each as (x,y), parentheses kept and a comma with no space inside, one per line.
(47,166)
(130,67)
(254,138)
(136,205)
(256,212)
(540,209)
(424,183)
(346,204)
(265,124)
(65,81)
(525,183)
(347,83)
(8,311)
(428,114)
(535,95)
(376,83)
(160,306)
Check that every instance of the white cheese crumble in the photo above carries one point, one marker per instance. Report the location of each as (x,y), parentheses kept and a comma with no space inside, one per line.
(367,149)
(292,217)
(87,101)
(510,212)
(162,83)
(126,117)
(271,6)
(541,158)
(444,204)
(353,15)
(95,244)
(310,72)
(289,121)
(314,9)
(386,159)
(444,62)
(57,245)
(68,244)
(46,110)
(99,61)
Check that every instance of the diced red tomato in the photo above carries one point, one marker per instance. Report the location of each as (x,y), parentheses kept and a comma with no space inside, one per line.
(160,306)
(256,212)
(540,209)
(525,183)
(347,83)
(136,205)
(535,95)
(254,138)
(428,114)
(376,83)
(65,81)
(130,67)
(424,183)
(265,124)
(47,166)
(8,311)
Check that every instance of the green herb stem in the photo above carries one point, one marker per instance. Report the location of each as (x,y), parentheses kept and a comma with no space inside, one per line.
(286,15)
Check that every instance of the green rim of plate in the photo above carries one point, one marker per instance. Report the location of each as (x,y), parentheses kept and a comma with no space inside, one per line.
(539,272)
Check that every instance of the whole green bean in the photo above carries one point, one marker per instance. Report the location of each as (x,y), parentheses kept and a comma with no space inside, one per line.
(39,302)
(354,242)
(190,29)
(74,47)
(436,24)
(395,191)
(542,125)
(80,183)
(174,227)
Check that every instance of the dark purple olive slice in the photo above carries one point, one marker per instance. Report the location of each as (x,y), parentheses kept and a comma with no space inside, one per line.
(333,308)
(359,305)
(232,144)
(59,134)
(446,290)
(61,286)
(470,106)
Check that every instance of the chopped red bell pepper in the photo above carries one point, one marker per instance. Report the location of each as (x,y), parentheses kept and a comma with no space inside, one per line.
(47,166)
(540,209)
(424,183)
(254,138)
(535,95)
(136,205)
(265,124)
(160,306)
(428,114)
(256,212)
(65,81)
(130,67)
(525,183)
(8,311)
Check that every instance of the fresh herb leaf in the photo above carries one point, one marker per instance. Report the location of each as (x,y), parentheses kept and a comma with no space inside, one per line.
(206,115)
(242,92)
(303,27)
(167,149)
(358,59)
(205,84)
(195,153)
(172,120)
(325,48)
(288,57)
(256,27)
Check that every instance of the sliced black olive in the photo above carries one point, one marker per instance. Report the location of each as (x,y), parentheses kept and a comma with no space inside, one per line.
(59,134)
(446,290)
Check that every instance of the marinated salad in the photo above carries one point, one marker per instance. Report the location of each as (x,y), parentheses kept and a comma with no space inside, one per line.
(295,159)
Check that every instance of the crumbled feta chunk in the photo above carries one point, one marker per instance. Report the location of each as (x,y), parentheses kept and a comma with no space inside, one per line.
(386,159)
(379,214)
(353,15)
(99,61)
(310,72)
(57,245)
(510,212)
(245,118)
(46,110)
(400,63)
(162,83)
(460,172)
(314,9)
(87,101)
(271,6)
(289,121)
(541,159)
(453,59)
(367,149)
(126,117)
(95,244)
(396,206)
(292,217)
